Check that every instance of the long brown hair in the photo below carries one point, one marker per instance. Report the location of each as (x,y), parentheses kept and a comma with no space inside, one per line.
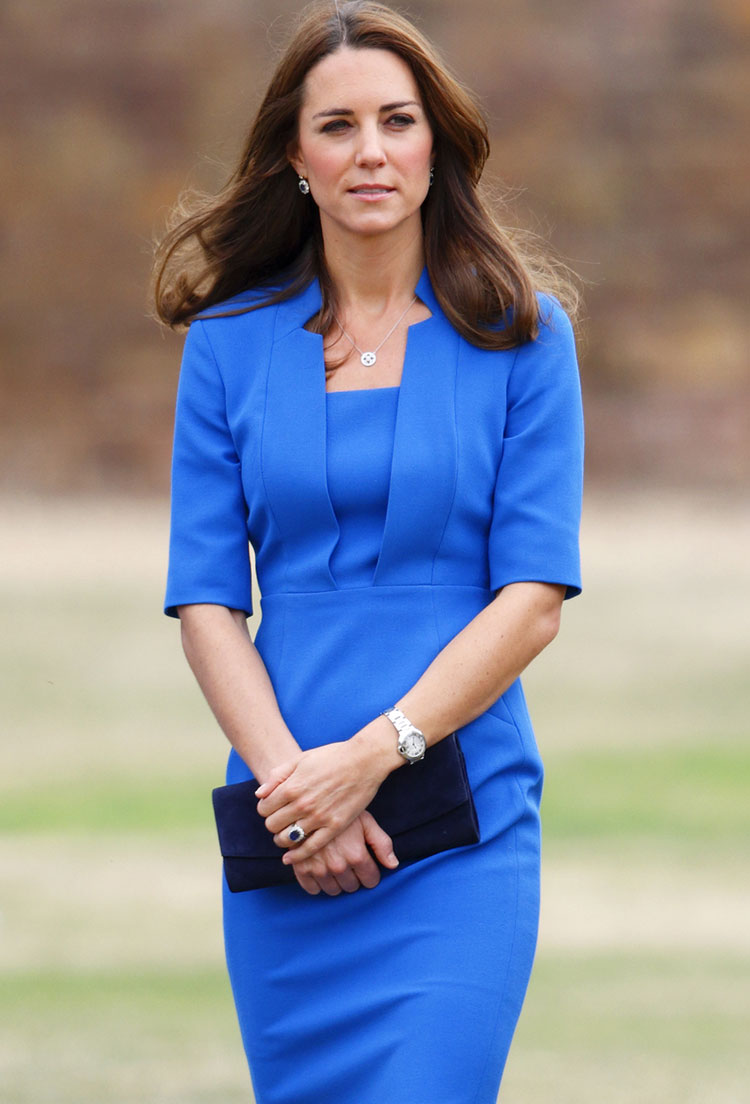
(260,232)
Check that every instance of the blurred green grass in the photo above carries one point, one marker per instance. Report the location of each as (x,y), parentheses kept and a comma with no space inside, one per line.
(700,795)
(112,981)
(125,1036)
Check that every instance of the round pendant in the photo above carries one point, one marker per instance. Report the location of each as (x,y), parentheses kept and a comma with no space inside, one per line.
(368,359)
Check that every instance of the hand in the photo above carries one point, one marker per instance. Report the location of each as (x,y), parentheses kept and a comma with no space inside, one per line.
(323,790)
(345,864)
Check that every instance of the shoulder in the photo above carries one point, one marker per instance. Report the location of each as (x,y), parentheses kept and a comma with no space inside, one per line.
(552,317)
(228,342)
(236,325)
(554,336)
(552,323)
(253,302)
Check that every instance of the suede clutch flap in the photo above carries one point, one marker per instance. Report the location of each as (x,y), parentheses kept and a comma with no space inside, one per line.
(425,808)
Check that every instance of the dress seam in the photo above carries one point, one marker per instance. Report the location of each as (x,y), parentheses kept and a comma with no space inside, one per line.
(220,374)
(449,511)
(261,467)
(377,587)
(501,451)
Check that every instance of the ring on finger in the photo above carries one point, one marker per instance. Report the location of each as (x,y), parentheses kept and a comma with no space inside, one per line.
(296,833)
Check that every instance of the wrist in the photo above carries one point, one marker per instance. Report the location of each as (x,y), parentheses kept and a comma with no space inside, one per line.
(264,758)
(411,743)
(377,743)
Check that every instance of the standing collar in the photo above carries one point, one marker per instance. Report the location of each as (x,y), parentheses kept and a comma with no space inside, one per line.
(425,292)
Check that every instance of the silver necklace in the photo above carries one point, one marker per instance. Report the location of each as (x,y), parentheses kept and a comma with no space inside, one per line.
(367,359)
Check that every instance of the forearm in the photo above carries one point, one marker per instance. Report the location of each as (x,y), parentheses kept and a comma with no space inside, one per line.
(475,667)
(327,787)
(236,685)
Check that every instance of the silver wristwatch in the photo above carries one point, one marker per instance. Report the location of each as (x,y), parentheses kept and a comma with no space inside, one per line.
(411,742)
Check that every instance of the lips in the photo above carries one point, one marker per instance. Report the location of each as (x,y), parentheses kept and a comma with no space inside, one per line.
(371,189)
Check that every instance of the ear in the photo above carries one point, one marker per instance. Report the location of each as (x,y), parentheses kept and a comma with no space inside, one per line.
(295,160)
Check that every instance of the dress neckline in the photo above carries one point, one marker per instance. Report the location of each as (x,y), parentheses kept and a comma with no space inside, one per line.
(424,406)
(363,390)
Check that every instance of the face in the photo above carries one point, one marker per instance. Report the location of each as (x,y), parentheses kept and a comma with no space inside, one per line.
(364,143)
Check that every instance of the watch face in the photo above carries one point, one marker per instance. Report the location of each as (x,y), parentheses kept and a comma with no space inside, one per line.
(412,744)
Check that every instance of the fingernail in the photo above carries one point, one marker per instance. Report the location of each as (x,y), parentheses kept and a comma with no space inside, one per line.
(392,859)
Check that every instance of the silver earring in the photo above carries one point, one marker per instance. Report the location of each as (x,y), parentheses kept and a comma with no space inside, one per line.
(303,186)
(432,176)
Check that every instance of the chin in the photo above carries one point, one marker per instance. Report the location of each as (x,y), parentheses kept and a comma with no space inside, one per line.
(369,223)
(381,221)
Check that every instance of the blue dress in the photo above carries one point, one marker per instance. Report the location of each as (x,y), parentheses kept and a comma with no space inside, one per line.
(382,523)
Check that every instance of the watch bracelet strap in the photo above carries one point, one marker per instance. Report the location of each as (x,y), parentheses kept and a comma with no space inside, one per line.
(399,721)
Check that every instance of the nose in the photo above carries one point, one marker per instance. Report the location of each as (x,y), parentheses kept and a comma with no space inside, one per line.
(370,152)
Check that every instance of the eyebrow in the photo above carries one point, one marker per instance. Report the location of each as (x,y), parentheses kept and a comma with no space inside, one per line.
(348,110)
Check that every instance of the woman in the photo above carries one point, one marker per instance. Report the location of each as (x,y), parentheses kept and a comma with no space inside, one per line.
(375,393)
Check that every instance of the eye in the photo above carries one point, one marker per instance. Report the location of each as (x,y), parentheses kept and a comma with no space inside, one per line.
(401,120)
(335,126)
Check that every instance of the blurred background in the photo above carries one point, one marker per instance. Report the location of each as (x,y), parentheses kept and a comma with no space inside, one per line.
(620,129)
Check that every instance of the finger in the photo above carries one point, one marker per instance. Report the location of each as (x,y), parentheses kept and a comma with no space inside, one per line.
(280,801)
(314,843)
(292,812)
(341,869)
(275,778)
(329,885)
(351,854)
(349,880)
(317,870)
(380,842)
(277,823)
(277,799)
(281,839)
(367,871)
(331,875)
(308,883)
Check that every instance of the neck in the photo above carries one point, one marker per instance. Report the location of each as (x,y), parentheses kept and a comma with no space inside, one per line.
(372,274)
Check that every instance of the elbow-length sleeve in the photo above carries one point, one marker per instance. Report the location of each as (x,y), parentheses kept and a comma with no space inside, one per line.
(209,554)
(537,502)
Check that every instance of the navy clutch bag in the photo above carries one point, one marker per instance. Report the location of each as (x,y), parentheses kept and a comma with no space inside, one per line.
(425,807)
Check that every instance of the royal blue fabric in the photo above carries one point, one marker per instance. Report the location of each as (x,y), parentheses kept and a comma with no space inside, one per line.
(359,451)
(407,993)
